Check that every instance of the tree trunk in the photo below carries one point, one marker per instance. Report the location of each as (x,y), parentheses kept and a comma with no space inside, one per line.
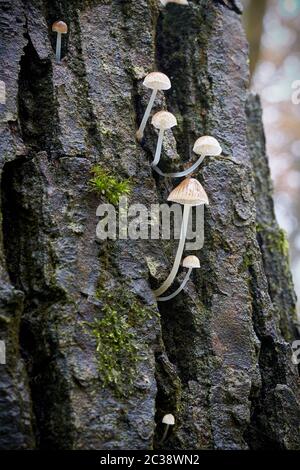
(218,355)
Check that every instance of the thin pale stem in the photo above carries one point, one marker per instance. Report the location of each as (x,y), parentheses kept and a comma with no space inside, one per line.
(164,434)
(141,129)
(158,147)
(166,284)
(180,173)
(58,47)
(176,292)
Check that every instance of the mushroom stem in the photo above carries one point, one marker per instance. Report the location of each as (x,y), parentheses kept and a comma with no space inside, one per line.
(179,174)
(182,286)
(164,434)
(58,47)
(141,129)
(158,147)
(166,284)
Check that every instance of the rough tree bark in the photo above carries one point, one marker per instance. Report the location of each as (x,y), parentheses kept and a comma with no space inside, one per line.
(218,357)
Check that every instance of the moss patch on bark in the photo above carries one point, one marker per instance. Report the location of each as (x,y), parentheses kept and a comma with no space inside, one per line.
(117,348)
(109,185)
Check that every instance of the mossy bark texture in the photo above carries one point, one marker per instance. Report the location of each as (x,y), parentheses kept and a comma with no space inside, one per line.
(218,356)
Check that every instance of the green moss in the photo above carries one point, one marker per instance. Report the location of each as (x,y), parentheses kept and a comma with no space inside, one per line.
(105,131)
(117,348)
(108,185)
(247,261)
(276,239)
(4,319)
(281,243)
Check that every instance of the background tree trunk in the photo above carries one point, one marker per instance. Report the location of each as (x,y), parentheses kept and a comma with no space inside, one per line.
(218,357)
(254,22)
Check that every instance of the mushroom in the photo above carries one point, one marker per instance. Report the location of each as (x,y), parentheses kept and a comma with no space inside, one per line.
(2,92)
(191,262)
(189,193)
(156,81)
(60,28)
(204,146)
(162,120)
(169,420)
(207,145)
(179,2)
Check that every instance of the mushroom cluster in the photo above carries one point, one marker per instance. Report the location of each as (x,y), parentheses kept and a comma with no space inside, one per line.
(191,262)
(189,192)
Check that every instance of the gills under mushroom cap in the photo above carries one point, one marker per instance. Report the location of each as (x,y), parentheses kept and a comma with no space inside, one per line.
(157,81)
(168,419)
(207,145)
(164,120)
(180,2)
(60,27)
(190,192)
(191,261)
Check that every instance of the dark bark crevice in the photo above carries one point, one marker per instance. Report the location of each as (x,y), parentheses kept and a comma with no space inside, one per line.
(259,434)
(22,238)
(168,397)
(26,254)
(180,53)
(277,380)
(74,60)
(37,109)
(180,41)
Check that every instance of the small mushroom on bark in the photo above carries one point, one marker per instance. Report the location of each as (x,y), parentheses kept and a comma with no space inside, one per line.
(162,120)
(189,193)
(207,145)
(204,146)
(60,28)
(191,262)
(179,2)
(155,81)
(2,92)
(168,420)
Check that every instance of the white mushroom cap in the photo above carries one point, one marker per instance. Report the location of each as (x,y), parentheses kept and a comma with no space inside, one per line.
(180,2)
(189,192)
(168,419)
(157,81)
(191,261)
(60,27)
(207,145)
(164,120)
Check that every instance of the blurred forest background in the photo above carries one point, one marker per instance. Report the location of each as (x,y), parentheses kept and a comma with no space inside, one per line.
(273,30)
